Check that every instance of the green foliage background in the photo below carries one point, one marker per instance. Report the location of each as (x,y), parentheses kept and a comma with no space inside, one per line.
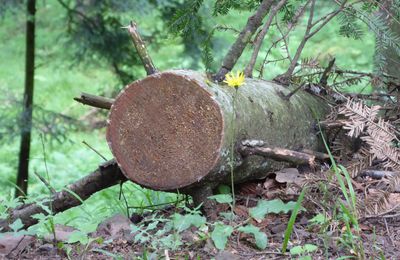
(62,74)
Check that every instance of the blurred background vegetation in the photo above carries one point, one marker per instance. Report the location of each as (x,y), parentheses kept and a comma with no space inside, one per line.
(73,56)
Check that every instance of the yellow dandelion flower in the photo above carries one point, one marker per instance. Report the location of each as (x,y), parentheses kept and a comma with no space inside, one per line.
(234,80)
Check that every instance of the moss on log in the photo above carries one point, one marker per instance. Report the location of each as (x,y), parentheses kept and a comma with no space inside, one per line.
(174,129)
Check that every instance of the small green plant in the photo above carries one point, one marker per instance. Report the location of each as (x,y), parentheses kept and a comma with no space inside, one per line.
(220,235)
(275,206)
(228,199)
(84,241)
(348,212)
(297,207)
(302,252)
(260,237)
(222,232)
(159,232)
(104,252)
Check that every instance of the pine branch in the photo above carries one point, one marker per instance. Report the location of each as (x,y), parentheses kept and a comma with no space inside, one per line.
(378,133)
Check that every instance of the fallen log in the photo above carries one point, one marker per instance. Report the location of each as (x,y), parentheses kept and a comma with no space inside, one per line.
(107,175)
(174,130)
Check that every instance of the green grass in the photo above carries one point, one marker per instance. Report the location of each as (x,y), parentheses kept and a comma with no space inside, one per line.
(58,80)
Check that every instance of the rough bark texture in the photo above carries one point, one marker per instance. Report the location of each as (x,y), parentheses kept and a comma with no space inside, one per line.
(106,176)
(174,129)
(141,49)
(26,124)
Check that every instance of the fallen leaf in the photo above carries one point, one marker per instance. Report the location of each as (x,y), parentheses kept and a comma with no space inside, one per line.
(241,211)
(289,175)
(269,183)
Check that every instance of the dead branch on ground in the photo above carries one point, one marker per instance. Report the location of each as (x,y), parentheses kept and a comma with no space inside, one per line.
(107,175)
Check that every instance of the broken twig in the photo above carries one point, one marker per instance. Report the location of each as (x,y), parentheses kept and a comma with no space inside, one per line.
(141,49)
(95,101)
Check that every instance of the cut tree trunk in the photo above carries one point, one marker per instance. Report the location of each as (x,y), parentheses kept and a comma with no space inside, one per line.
(175,130)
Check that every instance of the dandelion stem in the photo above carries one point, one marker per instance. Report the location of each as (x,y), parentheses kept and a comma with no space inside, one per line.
(232,156)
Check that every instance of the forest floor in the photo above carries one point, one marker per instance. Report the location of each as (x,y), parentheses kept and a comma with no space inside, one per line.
(379,236)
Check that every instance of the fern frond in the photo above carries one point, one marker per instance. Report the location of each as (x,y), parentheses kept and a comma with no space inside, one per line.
(358,115)
(357,165)
(378,133)
(376,202)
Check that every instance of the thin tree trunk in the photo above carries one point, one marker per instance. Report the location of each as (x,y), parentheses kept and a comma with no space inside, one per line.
(26,119)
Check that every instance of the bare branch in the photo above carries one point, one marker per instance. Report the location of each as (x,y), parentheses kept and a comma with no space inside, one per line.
(245,35)
(284,36)
(285,78)
(260,38)
(284,39)
(45,182)
(95,101)
(327,19)
(105,176)
(94,150)
(325,75)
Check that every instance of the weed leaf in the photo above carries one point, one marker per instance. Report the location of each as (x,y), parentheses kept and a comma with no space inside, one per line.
(260,237)
(183,222)
(222,198)
(16,225)
(265,207)
(220,235)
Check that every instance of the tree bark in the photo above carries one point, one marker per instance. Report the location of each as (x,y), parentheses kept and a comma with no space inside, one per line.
(26,119)
(174,130)
(105,176)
